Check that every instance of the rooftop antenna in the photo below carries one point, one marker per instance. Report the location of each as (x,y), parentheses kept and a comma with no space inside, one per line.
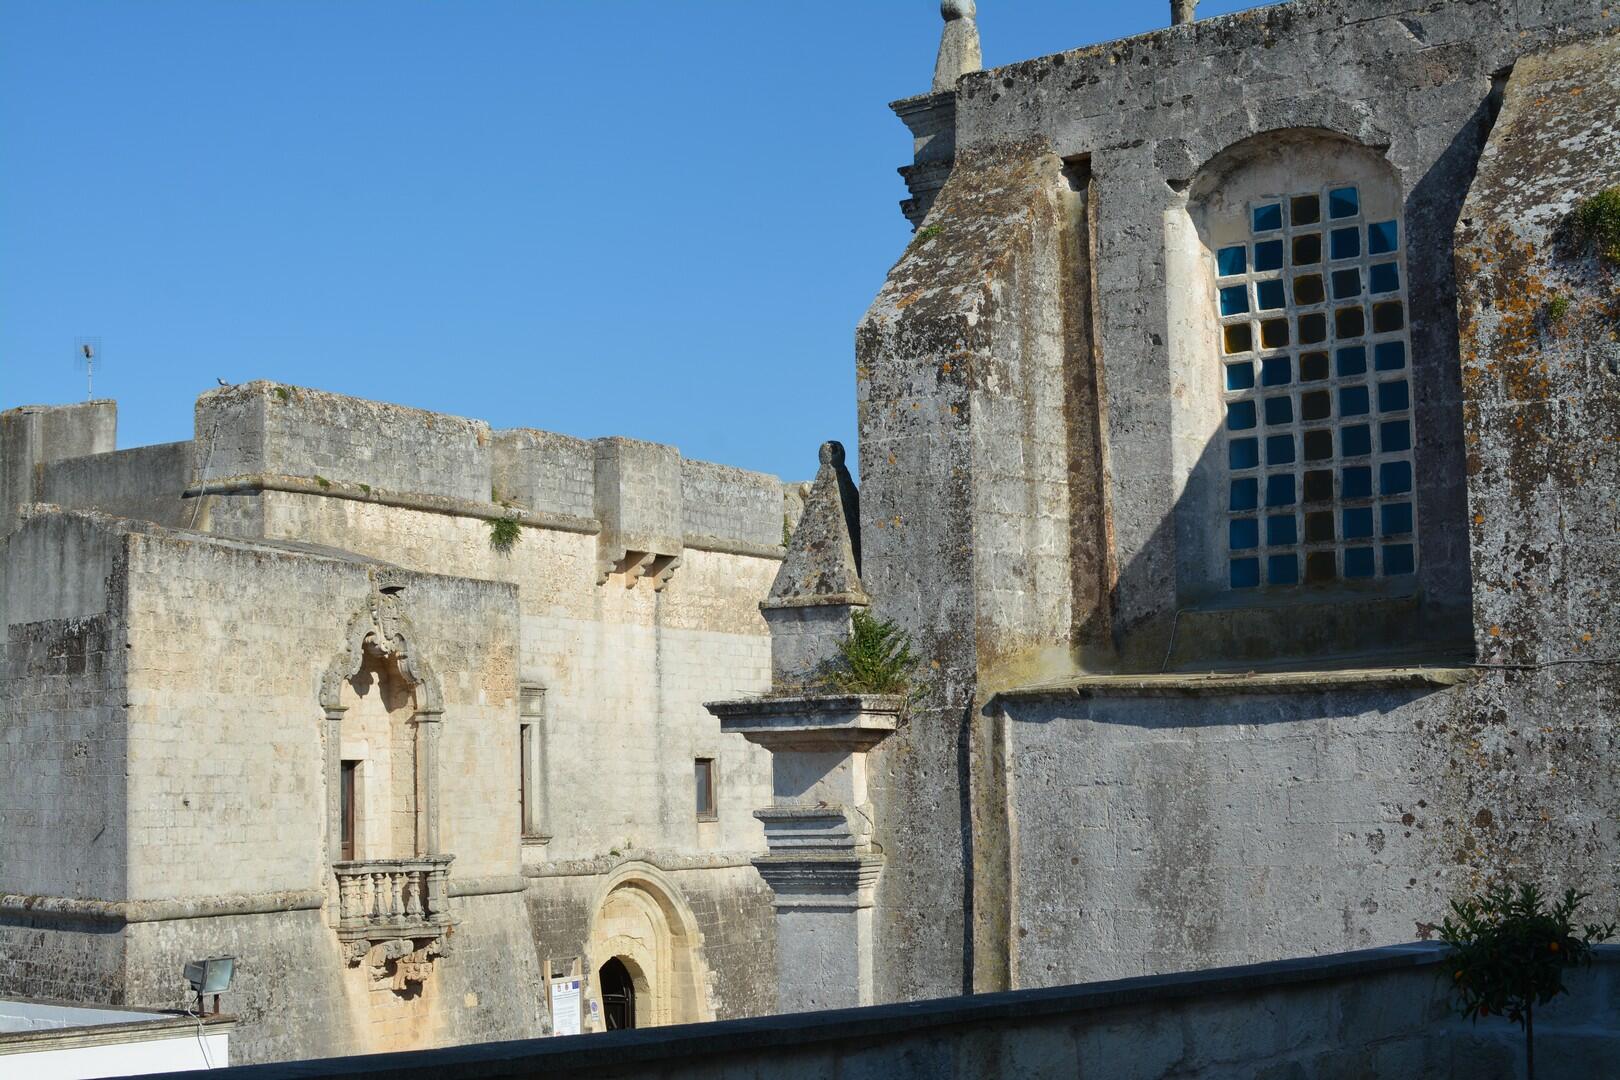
(85,353)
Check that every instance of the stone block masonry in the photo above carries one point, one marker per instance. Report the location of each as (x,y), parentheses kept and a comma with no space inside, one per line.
(186,701)
(1043,410)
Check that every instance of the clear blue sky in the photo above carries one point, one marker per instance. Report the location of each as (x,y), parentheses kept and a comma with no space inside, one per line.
(659,220)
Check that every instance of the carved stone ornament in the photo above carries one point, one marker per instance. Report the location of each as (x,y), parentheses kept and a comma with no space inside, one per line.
(382,628)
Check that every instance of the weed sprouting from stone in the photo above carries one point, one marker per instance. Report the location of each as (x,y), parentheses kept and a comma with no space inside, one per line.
(876,658)
(1597,224)
(504,533)
(1557,309)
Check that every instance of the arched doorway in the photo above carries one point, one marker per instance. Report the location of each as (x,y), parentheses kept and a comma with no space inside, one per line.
(644,943)
(618,995)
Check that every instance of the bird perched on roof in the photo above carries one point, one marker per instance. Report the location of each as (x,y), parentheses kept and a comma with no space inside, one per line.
(221,382)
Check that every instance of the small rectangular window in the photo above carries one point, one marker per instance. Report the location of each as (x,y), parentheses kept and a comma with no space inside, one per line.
(703,774)
(346,810)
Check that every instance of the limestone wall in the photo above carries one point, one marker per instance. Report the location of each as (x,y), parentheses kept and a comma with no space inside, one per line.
(63,733)
(1183,829)
(144,483)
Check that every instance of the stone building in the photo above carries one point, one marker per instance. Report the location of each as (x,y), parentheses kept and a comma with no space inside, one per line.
(402,712)
(1237,444)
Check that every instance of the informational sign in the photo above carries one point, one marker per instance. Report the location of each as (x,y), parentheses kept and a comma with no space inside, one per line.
(565,1006)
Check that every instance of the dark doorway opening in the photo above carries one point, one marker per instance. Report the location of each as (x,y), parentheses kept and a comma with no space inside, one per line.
(618,995)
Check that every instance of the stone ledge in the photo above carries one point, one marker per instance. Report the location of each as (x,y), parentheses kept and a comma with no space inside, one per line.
(805,705)
(727,546)
(162,1025)
(256,483)
(668,863)
(493,885)
(1216,683)
(71,909)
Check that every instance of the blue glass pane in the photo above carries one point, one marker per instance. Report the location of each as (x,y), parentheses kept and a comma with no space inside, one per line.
(1397,559)
(1346,243)
(1279,410)
(1352,360)
(1281,531)
(1385,277)
(1269,255)
(1389,355)
(1280,489)
(1243,453)
(1279,449)
(1239,376)
(1269,295)
(1275,371)
(1358,562)
(1357,522)
(1353,401)
(1243,533)
(1240,416)
(1395,436)
(1355,440)
(1232,260)
(1234,300)
(1346,283)
(1282,570)
(1393,396)
(1245,494)
(1395,478)
(1382,237)
(1343,202)
(1396,519)
(1245,573)
(1268,218)
(1357,481)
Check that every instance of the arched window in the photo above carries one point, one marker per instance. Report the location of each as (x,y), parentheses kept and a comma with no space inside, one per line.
(1313,357)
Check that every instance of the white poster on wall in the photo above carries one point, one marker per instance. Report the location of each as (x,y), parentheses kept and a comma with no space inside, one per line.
(565,1006)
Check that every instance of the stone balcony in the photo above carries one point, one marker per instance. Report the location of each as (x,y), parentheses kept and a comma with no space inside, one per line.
(399,904)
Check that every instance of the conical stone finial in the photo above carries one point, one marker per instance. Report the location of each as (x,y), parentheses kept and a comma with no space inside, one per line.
(818,587)
(958,45)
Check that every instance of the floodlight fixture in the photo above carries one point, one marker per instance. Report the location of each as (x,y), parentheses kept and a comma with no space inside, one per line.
(210,976)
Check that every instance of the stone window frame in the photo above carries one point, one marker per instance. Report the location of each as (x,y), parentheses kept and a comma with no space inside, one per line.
(531,763)
(713,788)
(1287,352)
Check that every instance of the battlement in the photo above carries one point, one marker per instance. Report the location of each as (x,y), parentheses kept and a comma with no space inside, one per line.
(266,436)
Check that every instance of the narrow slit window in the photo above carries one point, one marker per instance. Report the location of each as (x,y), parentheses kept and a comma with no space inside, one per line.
(703,776)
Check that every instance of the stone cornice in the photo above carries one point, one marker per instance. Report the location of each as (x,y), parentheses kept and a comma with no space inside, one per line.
(1218,684)
(256,483)
(117,912)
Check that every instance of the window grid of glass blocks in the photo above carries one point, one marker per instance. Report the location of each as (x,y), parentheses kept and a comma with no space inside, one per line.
(1316,362)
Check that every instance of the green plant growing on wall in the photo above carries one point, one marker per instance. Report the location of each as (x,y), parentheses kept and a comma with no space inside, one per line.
(787,531)
(504,533)
(283,393)
(324,482)
(1597,224)
(1557,309)
(876,658)
(1509,952)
